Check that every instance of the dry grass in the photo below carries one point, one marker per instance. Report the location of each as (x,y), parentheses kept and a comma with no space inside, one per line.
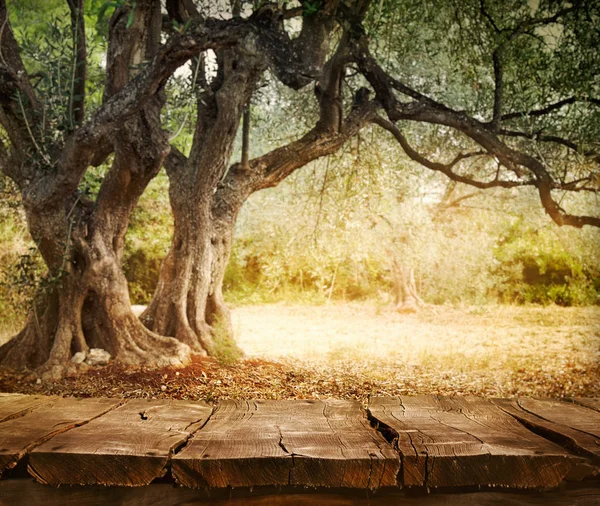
(357,350)
(473,340)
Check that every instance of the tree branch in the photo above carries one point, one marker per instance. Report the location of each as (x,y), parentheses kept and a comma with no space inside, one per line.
(475,130)
(548,109)
(77,99)
(446,168)
(18,101)
(181,10)
(296,62)
(245,136)
(541,137)
(499,85)
(328,89)
(535,22)
(270,169)
(487,16)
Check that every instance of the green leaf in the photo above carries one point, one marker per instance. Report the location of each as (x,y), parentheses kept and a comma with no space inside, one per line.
(310,8)
(130,19)
(105,6)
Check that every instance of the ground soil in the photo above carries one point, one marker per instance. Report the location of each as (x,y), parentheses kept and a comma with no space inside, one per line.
(357,350)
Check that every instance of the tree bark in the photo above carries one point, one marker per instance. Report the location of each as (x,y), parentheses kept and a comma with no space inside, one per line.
(84,302)
(88,304)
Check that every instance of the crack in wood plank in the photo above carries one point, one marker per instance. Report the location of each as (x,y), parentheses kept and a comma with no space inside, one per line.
(469,442)
(586,402)
(520,404)
(557,433)
(14,406)
(121,448)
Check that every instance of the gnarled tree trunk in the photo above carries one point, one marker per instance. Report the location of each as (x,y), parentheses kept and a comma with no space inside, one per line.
(85,302)
(188,302)
(82,243)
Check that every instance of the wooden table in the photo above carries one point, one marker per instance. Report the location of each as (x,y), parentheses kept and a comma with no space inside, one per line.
(396,448)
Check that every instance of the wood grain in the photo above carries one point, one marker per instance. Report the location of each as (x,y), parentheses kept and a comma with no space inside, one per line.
(468,441)
(15,405)
(571,425)
(129,446)
(18,436)
(305,442)
(587,402)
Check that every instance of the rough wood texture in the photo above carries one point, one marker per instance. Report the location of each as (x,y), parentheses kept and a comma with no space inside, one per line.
(27,493)
(18,436)
(15,405)
(454,441)
(129,446)
(442,441)
(308,442)
(571,425)
(588,402)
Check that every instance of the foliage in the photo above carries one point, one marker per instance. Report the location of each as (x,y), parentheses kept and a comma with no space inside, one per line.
(148,240)
(536,268)
(21,266)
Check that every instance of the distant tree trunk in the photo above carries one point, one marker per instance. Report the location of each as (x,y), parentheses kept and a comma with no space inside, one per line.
(405,289)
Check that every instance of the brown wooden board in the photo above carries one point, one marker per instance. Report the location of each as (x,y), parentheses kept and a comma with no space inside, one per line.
(305,442)
(15,405)
(571,425)
(129,446)
(468,441)
(588,402)
(19,436)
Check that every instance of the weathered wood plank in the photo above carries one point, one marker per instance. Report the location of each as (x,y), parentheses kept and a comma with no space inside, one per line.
(457,441)
(27,493)
(19,436)
(15,405)
(129,446)
(588,402)
(308,442)
(570,425)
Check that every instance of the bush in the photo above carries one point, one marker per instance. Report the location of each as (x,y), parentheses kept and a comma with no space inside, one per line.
(535,268)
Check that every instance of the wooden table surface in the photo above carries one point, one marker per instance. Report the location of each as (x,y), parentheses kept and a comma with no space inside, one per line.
(423,443)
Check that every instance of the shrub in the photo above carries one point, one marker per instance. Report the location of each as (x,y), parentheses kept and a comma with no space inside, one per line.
(534,268)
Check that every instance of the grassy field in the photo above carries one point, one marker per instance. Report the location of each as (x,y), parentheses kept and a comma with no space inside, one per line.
(359,349)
